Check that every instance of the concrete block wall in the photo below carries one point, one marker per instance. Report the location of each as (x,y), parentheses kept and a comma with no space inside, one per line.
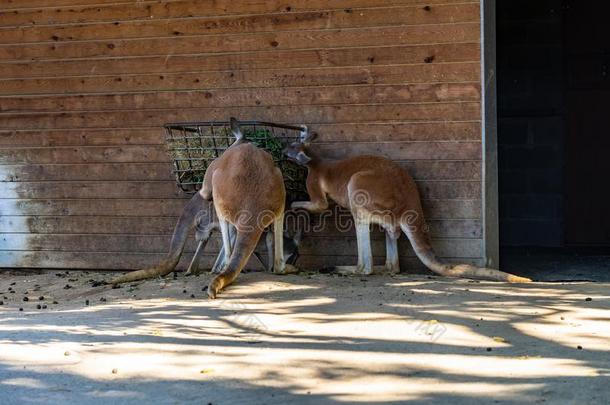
(531,122)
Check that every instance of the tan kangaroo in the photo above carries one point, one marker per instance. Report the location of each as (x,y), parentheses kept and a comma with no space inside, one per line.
(248,193)
(377,190)
(200,215)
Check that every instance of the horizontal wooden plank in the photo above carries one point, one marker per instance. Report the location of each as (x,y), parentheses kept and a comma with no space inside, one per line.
(82,137)
(420,170)
(278,59)
(359,94)
(37,4)
(373,132)
(167,189)
(410,265)
(93,154)
(463,111)
(405,151)
(321,39)
(149,10)
(462,150)
(131,261)
(407,74)
(102,207)
(399,132)
(341,246)
(134,207)
(469,228)
(90,171)
(325,19)
(81,260)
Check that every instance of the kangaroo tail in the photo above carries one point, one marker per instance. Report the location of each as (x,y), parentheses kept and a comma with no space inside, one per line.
(420,241)
(186,223)
(245,243)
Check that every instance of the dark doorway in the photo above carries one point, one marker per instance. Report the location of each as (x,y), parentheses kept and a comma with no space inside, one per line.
(554,135)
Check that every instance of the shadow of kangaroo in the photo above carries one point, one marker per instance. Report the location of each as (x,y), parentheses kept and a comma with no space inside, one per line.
(379,191)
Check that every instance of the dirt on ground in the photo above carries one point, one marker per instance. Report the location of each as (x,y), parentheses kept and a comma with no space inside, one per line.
(301,339)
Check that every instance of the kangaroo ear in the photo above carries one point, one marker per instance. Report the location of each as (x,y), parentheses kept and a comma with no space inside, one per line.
(306,135)
(312,136)
(298,237)
(236,130)
(302,158)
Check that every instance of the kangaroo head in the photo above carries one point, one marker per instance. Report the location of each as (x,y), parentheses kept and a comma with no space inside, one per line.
(297,151)
(291,246)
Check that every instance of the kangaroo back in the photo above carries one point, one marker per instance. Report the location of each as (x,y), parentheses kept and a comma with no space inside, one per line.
(248,192)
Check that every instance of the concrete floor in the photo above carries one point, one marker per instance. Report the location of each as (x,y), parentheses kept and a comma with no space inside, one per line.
(556,264)
(303,339)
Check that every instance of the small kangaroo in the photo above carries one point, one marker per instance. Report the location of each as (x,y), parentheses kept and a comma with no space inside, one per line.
(248,193)
(377,190)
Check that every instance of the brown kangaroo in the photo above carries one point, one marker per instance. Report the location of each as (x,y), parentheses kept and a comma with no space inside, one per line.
(377,190)
(248,193)
(200,215)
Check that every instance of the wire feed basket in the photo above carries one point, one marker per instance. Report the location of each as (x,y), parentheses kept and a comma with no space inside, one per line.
(194,145)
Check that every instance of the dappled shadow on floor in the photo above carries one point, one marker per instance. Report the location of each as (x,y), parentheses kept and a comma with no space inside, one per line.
(317,339)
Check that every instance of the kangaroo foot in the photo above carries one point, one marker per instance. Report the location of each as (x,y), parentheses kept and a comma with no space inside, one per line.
(358,270)
(288,269)
(392,268)
(213,288)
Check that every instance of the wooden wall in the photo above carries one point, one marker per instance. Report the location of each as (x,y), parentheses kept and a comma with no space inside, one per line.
(85,86)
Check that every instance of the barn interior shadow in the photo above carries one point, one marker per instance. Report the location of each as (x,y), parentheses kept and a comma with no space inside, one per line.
(319,340)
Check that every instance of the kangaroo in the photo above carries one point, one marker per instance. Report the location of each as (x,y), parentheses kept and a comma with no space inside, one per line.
(248,193)
(377,190)
(199,214)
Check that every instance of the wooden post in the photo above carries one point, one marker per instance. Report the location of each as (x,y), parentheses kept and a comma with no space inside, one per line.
(491,244)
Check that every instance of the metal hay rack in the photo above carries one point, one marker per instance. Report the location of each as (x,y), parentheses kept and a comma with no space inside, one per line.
(194,145)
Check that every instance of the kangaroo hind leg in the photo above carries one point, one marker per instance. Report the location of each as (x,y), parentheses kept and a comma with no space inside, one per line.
(365,254)
(279,263)
(391,247)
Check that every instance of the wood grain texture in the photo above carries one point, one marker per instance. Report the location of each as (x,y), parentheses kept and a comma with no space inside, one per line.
(86,85)
(167,189)
(276,59)
(468,150)
(92,225)
(404,35)
(89,11)
(349,94)
(271,22)
(333,132)
(104,261)
(134,207)
(311,114)
(146,170)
